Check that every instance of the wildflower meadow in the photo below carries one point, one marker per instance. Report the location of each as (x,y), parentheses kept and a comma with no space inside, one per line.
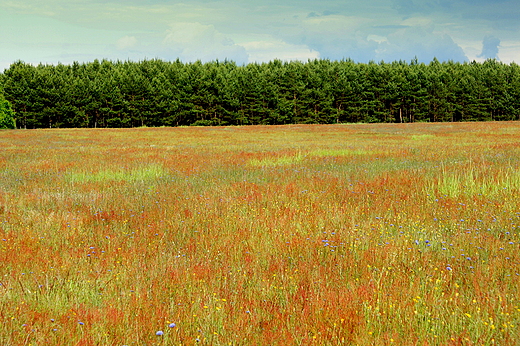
(356,234)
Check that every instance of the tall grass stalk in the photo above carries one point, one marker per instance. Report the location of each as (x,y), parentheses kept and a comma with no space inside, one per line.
(470,182)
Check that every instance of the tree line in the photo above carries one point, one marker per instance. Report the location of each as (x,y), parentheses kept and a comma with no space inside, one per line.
(161,93)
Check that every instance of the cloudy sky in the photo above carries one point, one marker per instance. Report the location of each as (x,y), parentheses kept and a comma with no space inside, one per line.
(53,31)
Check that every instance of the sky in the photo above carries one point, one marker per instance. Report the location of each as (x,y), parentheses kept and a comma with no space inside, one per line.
(245,31)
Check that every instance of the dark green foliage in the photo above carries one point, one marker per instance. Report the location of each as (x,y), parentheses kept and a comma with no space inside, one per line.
(159,93)
(6,114)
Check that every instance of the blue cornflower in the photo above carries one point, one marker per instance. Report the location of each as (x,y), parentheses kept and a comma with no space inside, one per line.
(159,333)
(448,268)
(172,325)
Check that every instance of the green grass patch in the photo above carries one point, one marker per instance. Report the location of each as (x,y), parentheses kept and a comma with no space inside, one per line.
(422,137)
(299,157)
(342,152)
(472,182)
(145,173)
(277,161)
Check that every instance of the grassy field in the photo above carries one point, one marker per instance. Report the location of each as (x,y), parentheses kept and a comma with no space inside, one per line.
(404,234)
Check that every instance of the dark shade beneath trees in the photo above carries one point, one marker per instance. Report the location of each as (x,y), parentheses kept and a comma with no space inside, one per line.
(159,93)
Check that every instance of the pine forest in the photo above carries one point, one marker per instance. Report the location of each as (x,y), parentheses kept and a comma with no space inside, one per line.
(156,93)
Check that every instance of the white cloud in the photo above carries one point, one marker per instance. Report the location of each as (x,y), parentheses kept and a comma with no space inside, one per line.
(334,23)
(509,52)
(377,38)
(334,36)
(420,42)
(268,50)
(126,42)
(196,41)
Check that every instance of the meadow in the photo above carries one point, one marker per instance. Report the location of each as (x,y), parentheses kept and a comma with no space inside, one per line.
(358,234)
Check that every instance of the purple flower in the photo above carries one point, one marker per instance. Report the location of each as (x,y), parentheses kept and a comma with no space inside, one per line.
(172,325)
(159,333)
